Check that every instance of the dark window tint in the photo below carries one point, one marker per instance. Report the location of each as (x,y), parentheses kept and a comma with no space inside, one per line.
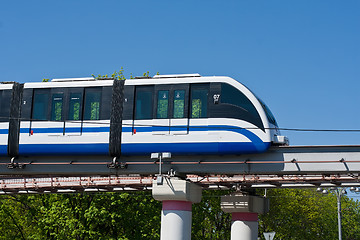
(234,104)
(106,99)
(40,106)
(143,108)
(231,95)
(57,107)
(268,113)
(162,104)
(5,98)
(75,106)
(92,104)
(179,103)
(199,103)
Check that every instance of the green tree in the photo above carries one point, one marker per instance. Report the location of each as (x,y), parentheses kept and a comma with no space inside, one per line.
(101,216)
(294,214)
(209,221)
(80,216)
(307,214)
(18,217)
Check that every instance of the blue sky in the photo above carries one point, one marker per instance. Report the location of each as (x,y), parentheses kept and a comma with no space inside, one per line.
(301,57)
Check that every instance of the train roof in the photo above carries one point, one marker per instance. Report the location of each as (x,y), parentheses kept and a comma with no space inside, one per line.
(70,82)
(157,79)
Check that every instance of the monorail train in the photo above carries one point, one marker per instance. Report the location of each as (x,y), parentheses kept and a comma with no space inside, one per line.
(181,114)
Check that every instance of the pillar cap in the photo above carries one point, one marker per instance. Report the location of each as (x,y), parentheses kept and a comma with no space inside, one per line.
(176,190)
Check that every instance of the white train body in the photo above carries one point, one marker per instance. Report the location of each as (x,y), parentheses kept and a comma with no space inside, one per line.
(181,114)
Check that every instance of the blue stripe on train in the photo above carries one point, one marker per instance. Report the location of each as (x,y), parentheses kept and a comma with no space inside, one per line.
(4,131)
(3,150)
(194,148)
(143,148)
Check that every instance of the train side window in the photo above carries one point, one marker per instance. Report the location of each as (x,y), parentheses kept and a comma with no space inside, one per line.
(75,106)
(57,107)
(40,106)
(179,103)
(162,104)
(2,116)
(199,99)
(144,104)
(106,99)
(92,104)
(5,96)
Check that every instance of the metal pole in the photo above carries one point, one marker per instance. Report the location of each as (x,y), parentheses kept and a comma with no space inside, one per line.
(338,196)
(160,156)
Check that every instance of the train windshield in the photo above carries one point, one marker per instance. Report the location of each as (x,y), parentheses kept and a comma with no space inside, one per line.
(268,113)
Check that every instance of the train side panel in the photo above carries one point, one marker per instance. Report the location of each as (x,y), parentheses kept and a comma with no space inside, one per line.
(205,136)
(198,115)
(66,119)
(202,125)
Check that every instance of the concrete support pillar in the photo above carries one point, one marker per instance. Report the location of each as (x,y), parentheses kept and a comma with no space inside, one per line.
(176,220)
(244,210)
(177,197)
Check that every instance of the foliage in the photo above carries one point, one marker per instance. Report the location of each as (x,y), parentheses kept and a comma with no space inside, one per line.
(119,75)
(294,214)
(307,214)
(116,75)
(80,216)
(209,221)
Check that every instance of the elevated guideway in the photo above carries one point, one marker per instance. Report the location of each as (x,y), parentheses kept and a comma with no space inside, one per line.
(178,181)
(34,185)
(295,160)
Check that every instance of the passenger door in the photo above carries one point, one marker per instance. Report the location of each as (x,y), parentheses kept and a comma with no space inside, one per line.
(40,114)
(171,110)
(5,96)
(47,115)
(143,111)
